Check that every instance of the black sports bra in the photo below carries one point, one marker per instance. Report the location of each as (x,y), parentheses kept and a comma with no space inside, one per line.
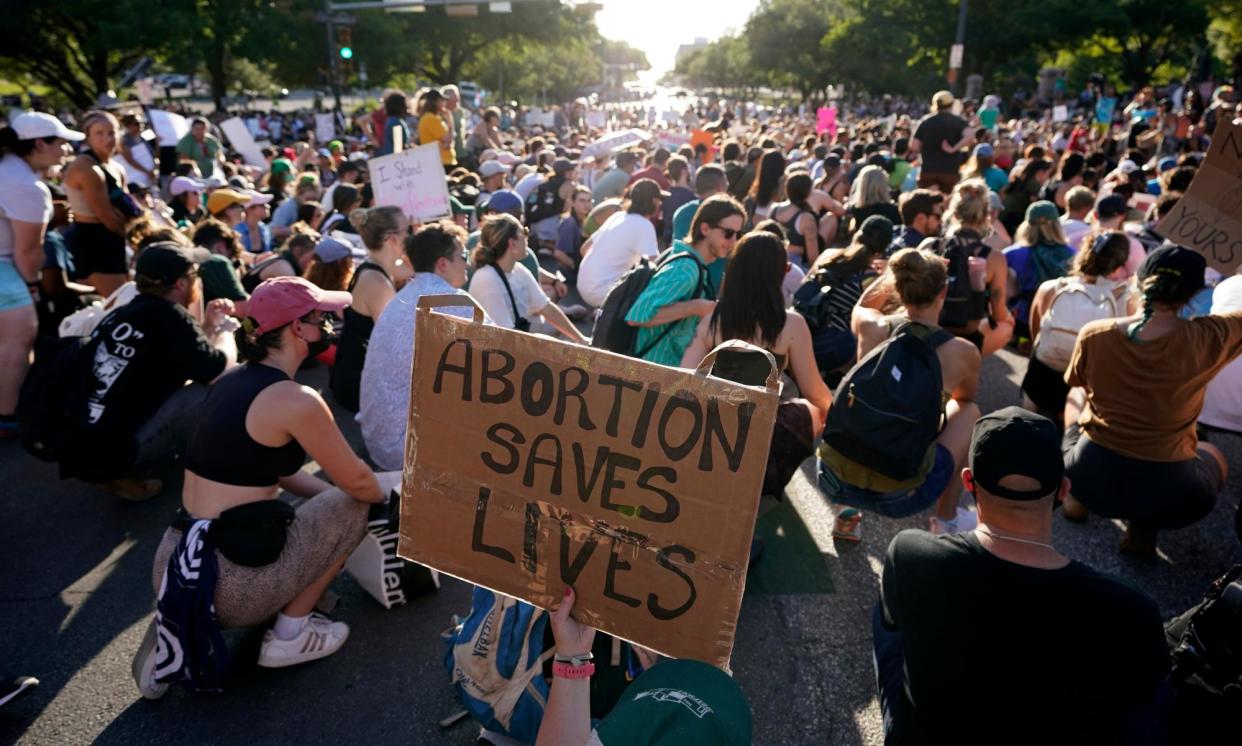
(222,450)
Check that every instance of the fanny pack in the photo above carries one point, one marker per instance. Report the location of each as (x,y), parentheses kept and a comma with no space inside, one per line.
(251,535)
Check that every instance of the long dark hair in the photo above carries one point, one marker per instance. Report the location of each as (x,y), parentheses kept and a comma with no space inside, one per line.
(768,177)
(798,190)
(9,143)
(751,302)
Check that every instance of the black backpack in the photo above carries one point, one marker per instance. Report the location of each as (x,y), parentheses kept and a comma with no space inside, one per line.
(812,300)
(1206,646)
(52,397)
(962,304)
(611,330)
(887,411)
(545,201)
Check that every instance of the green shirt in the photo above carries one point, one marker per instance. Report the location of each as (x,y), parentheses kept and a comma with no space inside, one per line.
(676,281)
(204,153)
(683,219)
(901,169)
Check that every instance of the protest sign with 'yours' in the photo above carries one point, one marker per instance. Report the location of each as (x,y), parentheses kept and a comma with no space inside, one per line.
(532,464)
(1208,217)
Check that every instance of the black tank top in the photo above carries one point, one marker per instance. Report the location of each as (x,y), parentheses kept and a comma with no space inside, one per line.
(222,450)
(351,350)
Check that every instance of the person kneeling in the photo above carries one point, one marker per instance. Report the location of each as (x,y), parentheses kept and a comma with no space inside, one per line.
(236,555)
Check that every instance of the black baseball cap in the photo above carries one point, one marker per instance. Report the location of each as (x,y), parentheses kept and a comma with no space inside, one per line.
(166,261)
(1016,441)
(876,233)
(1179,263)
(1111,206)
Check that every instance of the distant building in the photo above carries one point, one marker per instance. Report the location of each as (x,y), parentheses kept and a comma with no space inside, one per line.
(685,49)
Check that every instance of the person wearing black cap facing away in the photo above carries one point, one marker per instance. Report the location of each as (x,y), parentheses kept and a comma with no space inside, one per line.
(1130,444)
(673,702)
(982,617)
(137,409)
(1110,215)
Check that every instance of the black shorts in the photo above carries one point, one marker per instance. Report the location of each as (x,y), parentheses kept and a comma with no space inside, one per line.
(1045,386)
(1157,494)
(96,249)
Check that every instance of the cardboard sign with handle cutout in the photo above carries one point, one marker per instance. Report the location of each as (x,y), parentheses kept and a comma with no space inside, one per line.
(532,464)
(1208,217)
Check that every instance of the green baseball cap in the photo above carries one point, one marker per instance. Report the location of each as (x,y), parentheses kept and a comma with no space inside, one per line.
(457,207)
(678,702)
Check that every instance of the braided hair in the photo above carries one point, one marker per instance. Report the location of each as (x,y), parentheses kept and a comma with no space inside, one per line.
(1160,289)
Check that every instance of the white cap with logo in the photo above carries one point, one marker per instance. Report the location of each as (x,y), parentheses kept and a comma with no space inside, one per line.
(35,124)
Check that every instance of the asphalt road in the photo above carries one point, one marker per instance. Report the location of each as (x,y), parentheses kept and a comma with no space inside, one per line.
(75,598)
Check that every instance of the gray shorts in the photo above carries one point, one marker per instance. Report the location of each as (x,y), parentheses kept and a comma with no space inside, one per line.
(326,528)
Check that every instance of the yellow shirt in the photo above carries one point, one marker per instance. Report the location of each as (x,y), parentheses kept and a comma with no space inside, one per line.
(430,129)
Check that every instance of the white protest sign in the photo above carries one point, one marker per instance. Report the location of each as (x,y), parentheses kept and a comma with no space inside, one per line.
(241,141)
(412,180)
(169,127)
(596,119)
(671,141)
(615,141)
(1060,113)
(325,127)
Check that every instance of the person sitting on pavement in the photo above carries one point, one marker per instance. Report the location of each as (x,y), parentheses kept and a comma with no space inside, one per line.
(290,261)
(1222,402)
(680,293)
(918,278)
(253,434)
(1039,254)
(1130,445)
(438,257)
(620,242)
(372,286)
(1110,215)
(505,288)
(1000,594)
(331,266)
(672,701)
(1078,204)
(751,308)
(138,410)
(799,219)
(922,212)
(1055,327)
(988,324)
(569,238)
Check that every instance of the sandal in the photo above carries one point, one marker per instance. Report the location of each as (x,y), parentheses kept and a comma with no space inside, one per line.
(847,526)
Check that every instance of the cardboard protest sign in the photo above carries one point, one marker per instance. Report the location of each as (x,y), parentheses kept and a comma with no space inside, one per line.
(168,126)
(1208,217)
(241,141)
(325,127)
(533,463)
(412,180)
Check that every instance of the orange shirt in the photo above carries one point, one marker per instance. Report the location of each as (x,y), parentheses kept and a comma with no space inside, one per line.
(430,129)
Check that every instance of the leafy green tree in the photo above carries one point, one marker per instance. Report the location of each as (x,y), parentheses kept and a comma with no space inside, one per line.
(783,39)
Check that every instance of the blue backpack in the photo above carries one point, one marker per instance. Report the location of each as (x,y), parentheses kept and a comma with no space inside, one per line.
(496,658)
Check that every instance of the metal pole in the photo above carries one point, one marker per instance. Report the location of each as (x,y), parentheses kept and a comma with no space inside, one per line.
(961,38)
(332,61)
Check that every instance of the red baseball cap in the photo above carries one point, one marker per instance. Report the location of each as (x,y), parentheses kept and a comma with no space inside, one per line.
(280,300)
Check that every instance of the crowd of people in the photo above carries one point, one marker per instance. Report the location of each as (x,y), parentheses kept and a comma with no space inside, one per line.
(168,301)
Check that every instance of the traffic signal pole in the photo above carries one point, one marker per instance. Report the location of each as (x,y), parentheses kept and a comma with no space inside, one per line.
(333,64)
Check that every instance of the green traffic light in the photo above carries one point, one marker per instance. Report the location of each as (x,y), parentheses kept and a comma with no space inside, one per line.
(346,53)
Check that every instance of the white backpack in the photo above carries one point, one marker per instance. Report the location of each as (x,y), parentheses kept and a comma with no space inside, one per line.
(1074,303)
(83,321)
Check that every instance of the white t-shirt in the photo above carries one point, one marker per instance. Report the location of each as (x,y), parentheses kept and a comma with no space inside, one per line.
(527,185)
(1074,231)
(1222,403)
(23,197)
(489,291)
(619,243)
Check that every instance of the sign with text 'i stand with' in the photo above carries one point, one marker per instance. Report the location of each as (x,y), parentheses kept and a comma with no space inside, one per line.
(532,464)
(413,180)
(1208,217)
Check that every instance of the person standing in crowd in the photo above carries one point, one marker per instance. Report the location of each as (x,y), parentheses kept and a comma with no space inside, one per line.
(668,310)
(612,183)
(396,130)
(1130,446)
(918,279)
(455,118)
(33,143)
(202,148)
(981,165)
(137,409)
(620,242)
(938,138)
(437,255)
(136,155)
(373,285)
(432,127)
(95,184)
(505,288)
(254,431)
(997,592)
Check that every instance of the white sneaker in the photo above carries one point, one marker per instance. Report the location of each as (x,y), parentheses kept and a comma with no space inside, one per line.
(143,666)
(319,638)
(964,521)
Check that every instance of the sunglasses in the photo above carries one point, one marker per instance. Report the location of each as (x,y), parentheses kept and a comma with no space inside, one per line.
(729,233)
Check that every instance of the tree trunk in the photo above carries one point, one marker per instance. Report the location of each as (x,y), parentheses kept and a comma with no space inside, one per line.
(215,71)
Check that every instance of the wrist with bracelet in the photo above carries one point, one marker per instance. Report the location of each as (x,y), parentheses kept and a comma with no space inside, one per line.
(577,666)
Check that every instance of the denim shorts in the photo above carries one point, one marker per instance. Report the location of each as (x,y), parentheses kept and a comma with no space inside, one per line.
(896,504)
(13,290)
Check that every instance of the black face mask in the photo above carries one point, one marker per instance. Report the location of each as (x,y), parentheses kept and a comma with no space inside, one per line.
(327,336)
